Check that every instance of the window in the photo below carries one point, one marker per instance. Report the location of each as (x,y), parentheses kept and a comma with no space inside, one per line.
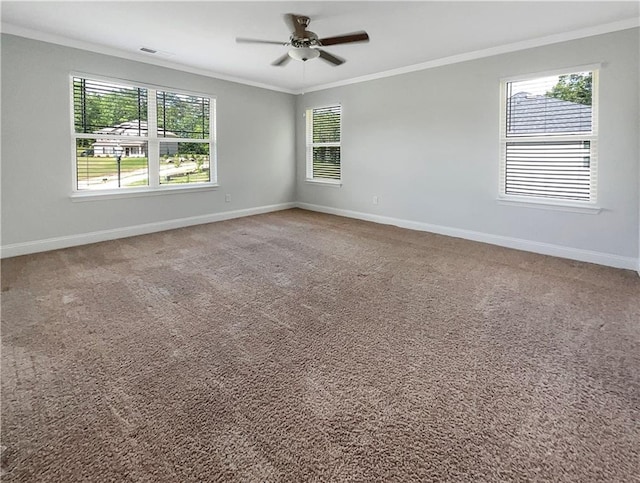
(549,137)
(323,144)
(128,136)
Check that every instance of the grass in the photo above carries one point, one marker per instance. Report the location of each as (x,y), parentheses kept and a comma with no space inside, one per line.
(95,167)
(202,177)
(104,167)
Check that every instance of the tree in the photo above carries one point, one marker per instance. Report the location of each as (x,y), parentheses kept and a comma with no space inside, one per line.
(99,106)
(573,88)
(185,116)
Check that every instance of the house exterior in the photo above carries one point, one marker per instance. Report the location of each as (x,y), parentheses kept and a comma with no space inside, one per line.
(134,148)
(536,114)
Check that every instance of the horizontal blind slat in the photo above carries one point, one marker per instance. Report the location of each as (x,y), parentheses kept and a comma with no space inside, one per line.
(560,169)
(326,124)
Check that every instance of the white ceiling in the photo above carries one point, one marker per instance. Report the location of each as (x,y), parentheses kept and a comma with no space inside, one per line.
(200,36)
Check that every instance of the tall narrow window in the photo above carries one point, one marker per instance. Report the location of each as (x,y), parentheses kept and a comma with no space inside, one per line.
(123,139)
(549,137)
(323,144)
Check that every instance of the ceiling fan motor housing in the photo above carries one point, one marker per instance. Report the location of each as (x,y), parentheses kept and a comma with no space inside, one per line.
(308,40)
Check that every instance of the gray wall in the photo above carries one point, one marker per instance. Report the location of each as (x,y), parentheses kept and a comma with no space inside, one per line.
(426,143)
(255,145)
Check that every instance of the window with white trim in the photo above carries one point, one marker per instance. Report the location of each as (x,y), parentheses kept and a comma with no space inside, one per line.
(548,137)
(323,143)
(133,136)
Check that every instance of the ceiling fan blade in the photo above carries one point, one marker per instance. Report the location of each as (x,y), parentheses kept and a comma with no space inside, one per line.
(332,59)
(280,61)
(299,27)
(345,39)
(242,40)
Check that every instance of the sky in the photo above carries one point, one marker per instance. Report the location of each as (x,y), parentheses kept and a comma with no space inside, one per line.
(538,86)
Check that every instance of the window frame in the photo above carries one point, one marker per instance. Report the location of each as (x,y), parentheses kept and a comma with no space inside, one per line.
(153,140)
(542,201)
(309,145)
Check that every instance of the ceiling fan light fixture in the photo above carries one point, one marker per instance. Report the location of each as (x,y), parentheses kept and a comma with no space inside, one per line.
(303,53)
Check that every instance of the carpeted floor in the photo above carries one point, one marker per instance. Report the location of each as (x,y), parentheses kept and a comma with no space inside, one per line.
(297,346)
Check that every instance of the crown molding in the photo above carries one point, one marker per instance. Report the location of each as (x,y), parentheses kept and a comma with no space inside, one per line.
(11,29)
(479,54)
(454,59)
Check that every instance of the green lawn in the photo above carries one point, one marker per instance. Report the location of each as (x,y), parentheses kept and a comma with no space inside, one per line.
(201,177)
(93,167)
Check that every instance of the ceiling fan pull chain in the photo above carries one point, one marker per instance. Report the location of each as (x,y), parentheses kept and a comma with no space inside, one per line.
(304,72)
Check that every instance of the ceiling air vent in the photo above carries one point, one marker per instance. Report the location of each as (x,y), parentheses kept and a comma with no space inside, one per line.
(157,53)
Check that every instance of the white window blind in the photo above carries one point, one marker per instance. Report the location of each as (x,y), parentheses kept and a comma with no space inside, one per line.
(560,169)
(549,137)
(323,143)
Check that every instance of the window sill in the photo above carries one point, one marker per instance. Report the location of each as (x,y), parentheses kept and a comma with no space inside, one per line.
(99,195)
(551,205)
(335,183)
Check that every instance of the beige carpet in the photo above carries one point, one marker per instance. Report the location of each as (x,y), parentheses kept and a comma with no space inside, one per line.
(297,346)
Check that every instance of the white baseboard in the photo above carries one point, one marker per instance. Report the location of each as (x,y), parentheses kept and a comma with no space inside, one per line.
(517,243)
(16,249)
(599,258)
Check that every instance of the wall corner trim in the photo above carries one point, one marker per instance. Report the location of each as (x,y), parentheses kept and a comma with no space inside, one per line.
(25,248)
(589,256)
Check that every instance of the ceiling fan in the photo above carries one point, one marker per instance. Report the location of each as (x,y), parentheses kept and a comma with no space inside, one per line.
(305,45)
